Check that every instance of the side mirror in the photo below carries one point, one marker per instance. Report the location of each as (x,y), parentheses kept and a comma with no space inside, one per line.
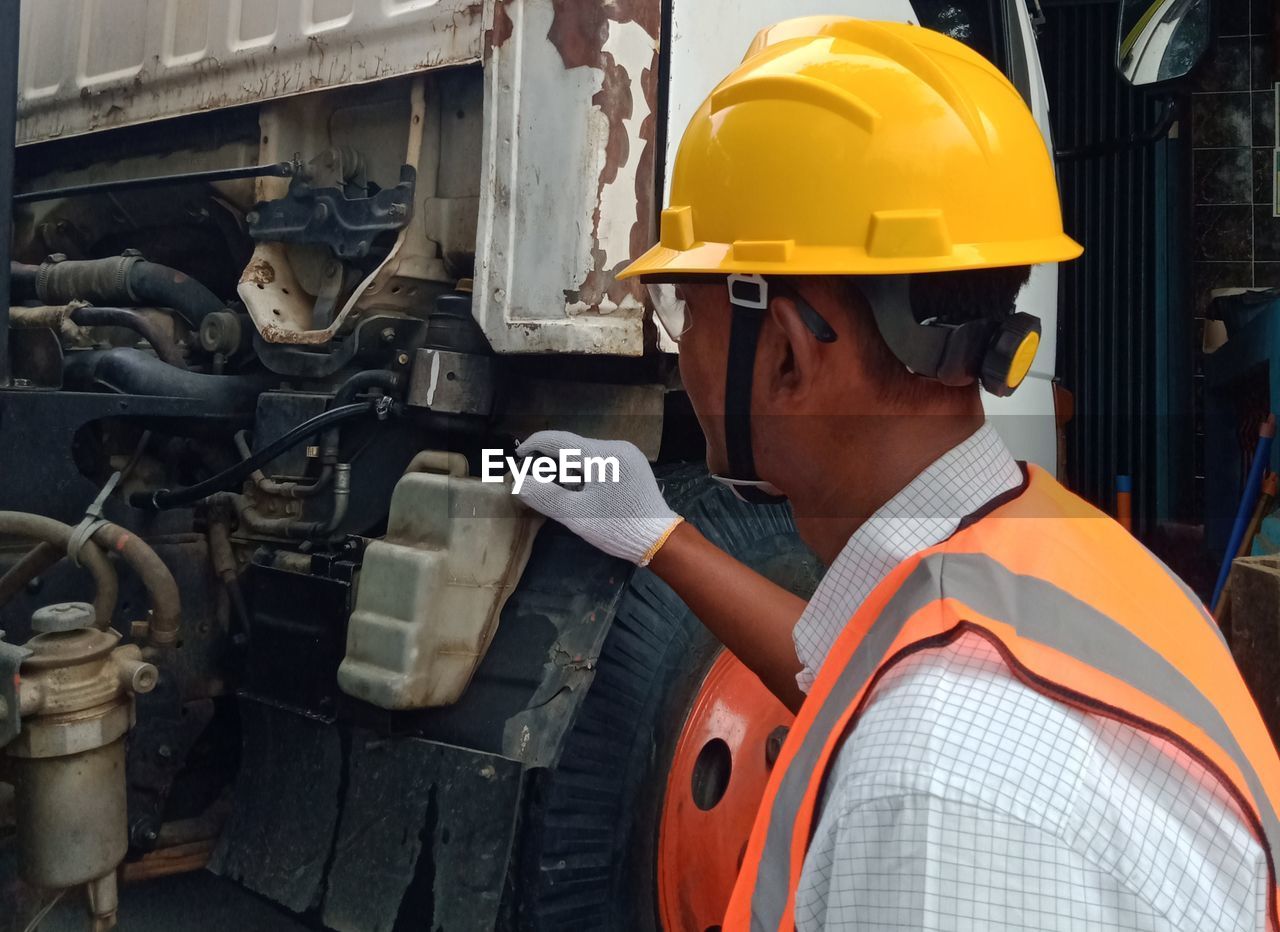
(1162,40)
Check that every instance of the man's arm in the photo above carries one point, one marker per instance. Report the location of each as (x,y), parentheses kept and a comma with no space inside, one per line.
(630,519)
(751,616)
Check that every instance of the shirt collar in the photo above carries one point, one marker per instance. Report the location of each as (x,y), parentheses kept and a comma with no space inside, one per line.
(925,512)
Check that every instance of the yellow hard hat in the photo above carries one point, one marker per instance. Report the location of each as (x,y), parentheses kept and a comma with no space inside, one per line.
(847,147)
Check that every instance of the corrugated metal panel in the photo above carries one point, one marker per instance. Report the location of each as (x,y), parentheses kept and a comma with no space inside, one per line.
(108,63)
(1108,299)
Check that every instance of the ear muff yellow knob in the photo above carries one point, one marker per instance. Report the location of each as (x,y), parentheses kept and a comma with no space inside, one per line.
(1022,359)
(1011,354)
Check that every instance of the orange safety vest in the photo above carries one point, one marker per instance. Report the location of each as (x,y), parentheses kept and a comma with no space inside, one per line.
(1080,611)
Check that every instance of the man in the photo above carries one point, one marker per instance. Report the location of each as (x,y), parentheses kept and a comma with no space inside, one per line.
(1016,718)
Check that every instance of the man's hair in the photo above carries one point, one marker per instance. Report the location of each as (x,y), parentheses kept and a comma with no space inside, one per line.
(948,297)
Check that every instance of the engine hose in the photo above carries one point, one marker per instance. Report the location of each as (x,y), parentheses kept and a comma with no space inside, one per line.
(22,282)
(122,280)
(37,561)
(370,378)
(270,486)
(162,588)
(232,477)
(134,372)
(164,346)
(58,536)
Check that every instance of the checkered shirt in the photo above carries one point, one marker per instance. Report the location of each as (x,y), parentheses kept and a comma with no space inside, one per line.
(964,799)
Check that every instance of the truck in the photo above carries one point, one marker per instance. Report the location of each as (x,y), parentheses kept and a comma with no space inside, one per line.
(280,274)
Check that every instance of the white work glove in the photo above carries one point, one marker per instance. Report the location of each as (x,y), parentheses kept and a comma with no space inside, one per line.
(628,518)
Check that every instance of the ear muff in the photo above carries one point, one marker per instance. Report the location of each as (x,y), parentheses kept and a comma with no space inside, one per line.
(998,355)
(1012,350)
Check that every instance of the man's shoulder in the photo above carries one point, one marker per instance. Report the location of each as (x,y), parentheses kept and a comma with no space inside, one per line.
(955,723)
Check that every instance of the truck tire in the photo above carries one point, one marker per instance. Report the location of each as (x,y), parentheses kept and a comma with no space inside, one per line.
(592,849)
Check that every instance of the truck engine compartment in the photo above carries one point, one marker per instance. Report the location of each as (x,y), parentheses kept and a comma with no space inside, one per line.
(236,391)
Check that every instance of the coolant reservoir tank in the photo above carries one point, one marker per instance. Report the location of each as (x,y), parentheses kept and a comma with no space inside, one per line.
(431,591)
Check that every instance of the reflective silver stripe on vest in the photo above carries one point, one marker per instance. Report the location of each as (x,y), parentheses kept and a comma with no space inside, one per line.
(1040,612)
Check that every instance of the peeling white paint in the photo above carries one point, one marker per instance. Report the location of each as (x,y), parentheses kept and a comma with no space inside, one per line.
(435,378)
(627,42)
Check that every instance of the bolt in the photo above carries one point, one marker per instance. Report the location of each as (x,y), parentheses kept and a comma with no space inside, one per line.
(164,752)
(402,359)
(773,745)
(388,334)
(252,217)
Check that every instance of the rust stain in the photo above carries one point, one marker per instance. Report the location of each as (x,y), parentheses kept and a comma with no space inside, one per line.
(274,333)
(579,32)
(496,36)
(259,272)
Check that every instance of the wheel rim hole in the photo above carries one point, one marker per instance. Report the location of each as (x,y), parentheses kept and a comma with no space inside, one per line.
(711,774)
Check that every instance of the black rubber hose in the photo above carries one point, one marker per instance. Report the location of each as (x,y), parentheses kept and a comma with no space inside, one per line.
(148,329)
(228,479)
(22,282)
(134,372)
(370,378)
(125,281)
(166,287)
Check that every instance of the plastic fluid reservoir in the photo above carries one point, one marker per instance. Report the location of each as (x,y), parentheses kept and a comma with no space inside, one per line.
(431,591)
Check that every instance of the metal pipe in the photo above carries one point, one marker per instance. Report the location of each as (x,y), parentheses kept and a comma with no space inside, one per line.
(9,22)
(294,529)
(277,170)
(270,486)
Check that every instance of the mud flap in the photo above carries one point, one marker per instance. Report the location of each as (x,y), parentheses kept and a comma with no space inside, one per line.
(368,833)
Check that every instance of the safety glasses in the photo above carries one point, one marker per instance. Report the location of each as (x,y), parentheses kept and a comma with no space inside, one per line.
(671,310)
(745,291)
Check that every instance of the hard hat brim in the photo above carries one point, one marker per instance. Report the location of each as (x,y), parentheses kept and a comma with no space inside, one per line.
(718,259)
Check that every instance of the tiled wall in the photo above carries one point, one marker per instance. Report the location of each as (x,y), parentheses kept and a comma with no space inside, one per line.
(1235,239)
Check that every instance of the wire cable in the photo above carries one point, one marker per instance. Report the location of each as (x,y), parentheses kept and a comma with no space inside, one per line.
(229,478)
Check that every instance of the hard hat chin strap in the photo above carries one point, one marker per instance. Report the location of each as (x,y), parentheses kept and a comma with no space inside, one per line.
(749,297)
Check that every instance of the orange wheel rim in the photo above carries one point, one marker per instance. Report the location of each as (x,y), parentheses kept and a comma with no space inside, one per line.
(718,775)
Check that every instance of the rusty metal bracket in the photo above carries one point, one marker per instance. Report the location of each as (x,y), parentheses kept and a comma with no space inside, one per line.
(347,225)
(11,657)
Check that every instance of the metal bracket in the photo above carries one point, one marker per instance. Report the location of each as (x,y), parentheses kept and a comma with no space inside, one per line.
(326,215)
(11,657)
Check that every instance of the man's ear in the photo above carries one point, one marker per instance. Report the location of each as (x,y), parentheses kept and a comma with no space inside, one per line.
(788,358)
